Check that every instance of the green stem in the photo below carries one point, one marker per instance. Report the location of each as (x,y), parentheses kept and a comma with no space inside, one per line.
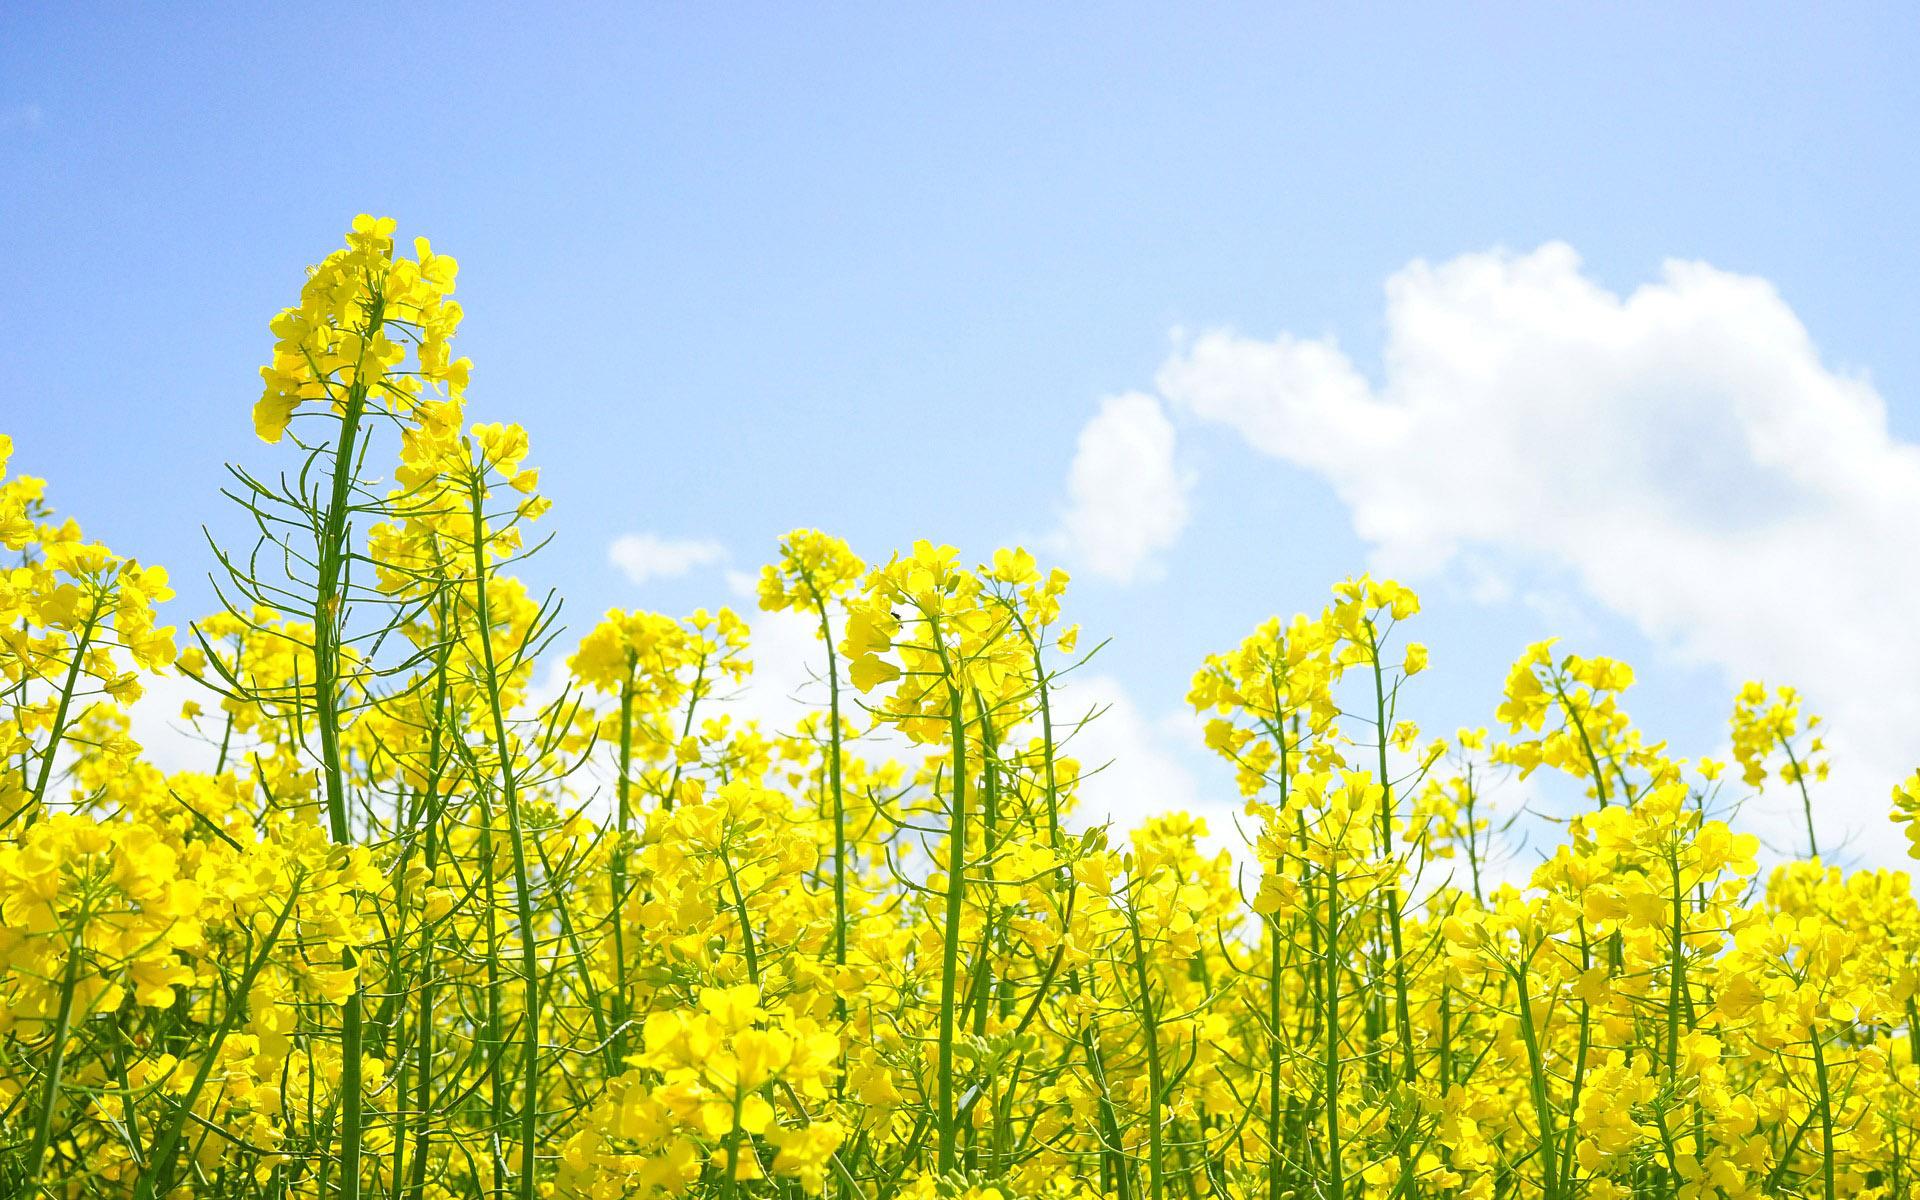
(727,1185)
(834,782)
(1390,894)
(516,836)
(1156,1083)
(950,950)
(618,869)
(157,1179)
(1806,798)
(1275,970)
(63,1020)
(1537,1080)
(1826,1116)
(67,689)
(740,914)
(417,1182)
(328,617)
(1330,997)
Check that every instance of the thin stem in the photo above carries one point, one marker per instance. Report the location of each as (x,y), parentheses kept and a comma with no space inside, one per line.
(50,1097)
(950,949)
(516,836)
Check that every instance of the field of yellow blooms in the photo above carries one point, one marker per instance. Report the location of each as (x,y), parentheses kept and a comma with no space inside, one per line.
(410,934)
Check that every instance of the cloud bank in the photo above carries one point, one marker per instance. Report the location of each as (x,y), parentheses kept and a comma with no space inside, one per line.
(1682,452)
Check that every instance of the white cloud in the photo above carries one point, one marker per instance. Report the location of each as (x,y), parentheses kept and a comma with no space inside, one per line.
(1681,452)
(1142,765)
(166,739)
(789,665)
(1127,500)
(644,557)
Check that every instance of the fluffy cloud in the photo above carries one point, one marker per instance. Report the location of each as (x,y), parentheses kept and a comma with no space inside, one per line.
(1142,766)
(789,667)
(642,557)
(1127,500)
(1681,452)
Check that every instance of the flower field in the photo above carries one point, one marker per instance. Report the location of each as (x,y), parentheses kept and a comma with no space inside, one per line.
(419,930)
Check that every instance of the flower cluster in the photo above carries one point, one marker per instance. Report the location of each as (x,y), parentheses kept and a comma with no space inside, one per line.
(424,925)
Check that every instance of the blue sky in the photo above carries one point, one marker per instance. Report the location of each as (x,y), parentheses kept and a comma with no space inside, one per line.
(876,269)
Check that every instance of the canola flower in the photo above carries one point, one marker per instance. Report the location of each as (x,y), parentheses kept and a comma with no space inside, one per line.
(415,932)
